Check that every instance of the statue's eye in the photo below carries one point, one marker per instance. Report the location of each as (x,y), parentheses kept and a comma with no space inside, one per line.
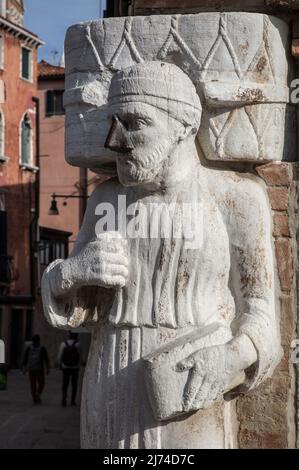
(136,123)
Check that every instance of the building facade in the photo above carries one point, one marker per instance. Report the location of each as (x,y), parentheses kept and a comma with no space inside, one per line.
(58,229)
(19,179)
(63,192)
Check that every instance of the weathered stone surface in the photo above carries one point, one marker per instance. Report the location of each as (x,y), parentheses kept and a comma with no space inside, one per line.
(285,264)
(237,62)
(176,322)
(279,198)
(288,323)
(281,225)
(295,48)
(264,423)
(276,174)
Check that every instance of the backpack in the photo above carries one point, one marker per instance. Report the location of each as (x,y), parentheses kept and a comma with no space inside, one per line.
(35,361)
(70,355)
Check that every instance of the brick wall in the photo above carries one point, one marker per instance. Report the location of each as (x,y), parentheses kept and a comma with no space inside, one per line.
(145,7)
(266,415)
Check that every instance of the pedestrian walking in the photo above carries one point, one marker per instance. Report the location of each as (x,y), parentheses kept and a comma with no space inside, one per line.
(36,362)
(69,361)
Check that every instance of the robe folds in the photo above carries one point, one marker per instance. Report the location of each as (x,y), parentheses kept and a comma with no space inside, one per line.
(173,287)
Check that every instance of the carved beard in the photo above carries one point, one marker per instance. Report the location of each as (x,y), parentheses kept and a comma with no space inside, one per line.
(138,167)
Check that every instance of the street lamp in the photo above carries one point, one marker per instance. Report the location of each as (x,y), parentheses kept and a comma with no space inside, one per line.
(53,210)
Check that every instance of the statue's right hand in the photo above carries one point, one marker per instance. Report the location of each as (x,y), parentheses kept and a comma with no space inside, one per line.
(102,262)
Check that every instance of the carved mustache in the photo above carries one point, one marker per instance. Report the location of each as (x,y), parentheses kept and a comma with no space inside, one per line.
(145,162)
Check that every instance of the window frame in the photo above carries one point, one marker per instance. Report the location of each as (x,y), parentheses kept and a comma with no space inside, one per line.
(54,112)
(2,49)
(2,134)
(30,65)
(54,244)
(30,163)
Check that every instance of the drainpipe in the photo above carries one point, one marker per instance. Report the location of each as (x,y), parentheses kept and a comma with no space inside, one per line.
(83,193)
(34,229)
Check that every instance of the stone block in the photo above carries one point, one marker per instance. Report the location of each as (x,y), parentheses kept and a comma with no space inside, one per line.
(287,320)
(279,198)
(295,48)
(276,174)
(281,225)
(237,62)
(285,263)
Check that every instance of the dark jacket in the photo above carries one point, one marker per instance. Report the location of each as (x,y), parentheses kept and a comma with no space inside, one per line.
(35,358)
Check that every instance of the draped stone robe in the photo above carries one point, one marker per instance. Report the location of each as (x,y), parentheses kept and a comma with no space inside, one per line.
(171,290)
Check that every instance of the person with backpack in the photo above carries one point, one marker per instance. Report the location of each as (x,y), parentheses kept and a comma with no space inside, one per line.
(35,361)
(69,361)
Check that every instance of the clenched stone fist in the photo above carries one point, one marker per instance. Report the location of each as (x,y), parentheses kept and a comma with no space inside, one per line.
(102,262)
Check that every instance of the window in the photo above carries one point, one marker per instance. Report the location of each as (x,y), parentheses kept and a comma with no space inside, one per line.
(54,103)
(4,259)
(53,245)
(1,52)
(3,7)
(26,64)
(52,250)
(26,141)
(1,135)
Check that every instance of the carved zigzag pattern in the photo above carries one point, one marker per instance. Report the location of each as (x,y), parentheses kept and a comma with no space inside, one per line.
(258,130)
(174,37)
(174,40)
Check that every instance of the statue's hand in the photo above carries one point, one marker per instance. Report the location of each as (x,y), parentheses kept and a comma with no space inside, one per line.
(213,370)
(102,262)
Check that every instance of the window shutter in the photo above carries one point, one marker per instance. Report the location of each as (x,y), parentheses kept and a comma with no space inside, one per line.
(50,103)
(59,102)
(25,63)
(26,141)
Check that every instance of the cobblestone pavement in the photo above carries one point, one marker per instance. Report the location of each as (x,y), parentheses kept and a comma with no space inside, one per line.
(24,425)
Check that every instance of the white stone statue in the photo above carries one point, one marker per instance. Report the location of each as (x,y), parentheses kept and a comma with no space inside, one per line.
(176,321)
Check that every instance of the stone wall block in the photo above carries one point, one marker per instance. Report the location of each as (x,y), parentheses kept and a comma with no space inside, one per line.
(276,174)
(285,264)
(279,198)
(281,225)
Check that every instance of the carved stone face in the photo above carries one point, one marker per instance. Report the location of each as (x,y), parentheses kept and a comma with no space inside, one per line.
(143,138)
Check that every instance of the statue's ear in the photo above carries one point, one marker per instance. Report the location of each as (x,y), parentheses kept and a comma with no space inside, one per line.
(187,130)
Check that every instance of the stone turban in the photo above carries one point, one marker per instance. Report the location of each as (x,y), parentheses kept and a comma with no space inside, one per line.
(159,84)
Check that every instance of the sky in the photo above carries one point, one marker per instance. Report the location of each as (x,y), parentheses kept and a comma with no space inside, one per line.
(49,19)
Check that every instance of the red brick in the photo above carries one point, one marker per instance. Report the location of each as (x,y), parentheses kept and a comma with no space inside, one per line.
(279,198)
(295,48)
(287,319)
(255,440)
(285,265)
(276,174)
(281,226)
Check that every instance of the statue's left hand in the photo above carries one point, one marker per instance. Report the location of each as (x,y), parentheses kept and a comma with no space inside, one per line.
(213,370)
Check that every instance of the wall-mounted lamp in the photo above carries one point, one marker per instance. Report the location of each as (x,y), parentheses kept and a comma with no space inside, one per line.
(53,210)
